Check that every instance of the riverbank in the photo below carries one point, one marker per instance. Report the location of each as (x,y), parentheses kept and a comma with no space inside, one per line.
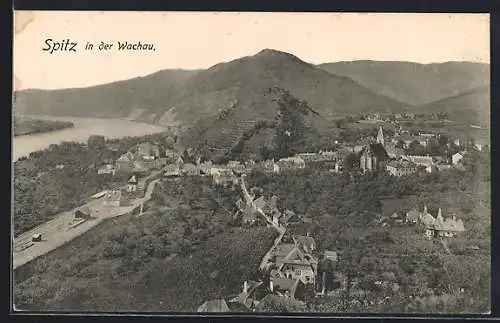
(83,128)
(23,126)
(62,177)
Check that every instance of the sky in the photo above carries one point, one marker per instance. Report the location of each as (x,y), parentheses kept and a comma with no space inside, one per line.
(199,40)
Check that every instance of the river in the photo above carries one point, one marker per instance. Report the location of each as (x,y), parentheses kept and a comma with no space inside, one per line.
(82,130)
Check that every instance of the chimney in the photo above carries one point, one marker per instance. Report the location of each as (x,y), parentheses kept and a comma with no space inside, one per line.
(245,287)
(425,209)
(271,286)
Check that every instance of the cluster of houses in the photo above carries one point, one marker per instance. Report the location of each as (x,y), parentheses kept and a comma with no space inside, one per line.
(380,154)
(293,270)
(294,273)
(436,226)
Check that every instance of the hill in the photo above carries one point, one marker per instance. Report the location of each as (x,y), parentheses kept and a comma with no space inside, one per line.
(180,96)
(414,83)
(118,99)
(242,82)
(472,106)
(276,125)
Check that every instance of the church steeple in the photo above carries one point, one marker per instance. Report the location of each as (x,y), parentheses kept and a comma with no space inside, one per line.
(380,136)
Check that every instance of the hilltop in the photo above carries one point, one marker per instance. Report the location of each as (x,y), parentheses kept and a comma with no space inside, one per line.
(414,83)
(181,96)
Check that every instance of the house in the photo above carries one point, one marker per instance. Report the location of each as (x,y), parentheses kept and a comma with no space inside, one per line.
(289,217)
(171,170)
(148,151)
(171,154)
(190,169)
(252,293)
(295,264)
(261,204)
(205,167)
(113,197)
(106,169)
(223,176)
(83,213)
(401,168)
(287,287)
(132,184)
(292,163)
(307,243)
(457,142)
(446,227)
(457,158)
(407,140)
(373,157)
(125,162)
(427,220)
(393,151)
(413,216)
(214,306)
(237,167)
(160,162)
(424,161)
(276,217)
(179,161)
(250,215)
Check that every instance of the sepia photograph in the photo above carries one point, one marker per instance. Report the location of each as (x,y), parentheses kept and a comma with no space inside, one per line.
(251,162)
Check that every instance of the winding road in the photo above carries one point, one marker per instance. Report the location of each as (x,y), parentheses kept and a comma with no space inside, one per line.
(281,230)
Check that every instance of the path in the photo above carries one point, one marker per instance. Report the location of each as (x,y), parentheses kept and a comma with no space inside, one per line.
(57,231)
(281,230)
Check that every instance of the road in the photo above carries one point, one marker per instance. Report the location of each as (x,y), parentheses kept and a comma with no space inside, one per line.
(281,230)
(58,232)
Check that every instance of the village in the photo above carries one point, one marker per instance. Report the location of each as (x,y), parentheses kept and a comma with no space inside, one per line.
(292,268)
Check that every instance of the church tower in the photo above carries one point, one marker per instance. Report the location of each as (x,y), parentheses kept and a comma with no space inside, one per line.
(380,136)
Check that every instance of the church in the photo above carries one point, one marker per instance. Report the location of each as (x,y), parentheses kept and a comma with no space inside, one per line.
(374,155)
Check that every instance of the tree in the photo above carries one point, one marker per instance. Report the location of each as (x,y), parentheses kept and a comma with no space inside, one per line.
(351,162)
(96,141)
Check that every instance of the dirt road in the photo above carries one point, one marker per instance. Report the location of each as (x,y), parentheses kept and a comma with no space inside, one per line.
(57,232)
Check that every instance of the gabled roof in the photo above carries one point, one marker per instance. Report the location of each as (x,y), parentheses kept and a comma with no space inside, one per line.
(282,250)
(304,240)
(428,219)
(285,285)
(132,180)
(128,156)
(260,203)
